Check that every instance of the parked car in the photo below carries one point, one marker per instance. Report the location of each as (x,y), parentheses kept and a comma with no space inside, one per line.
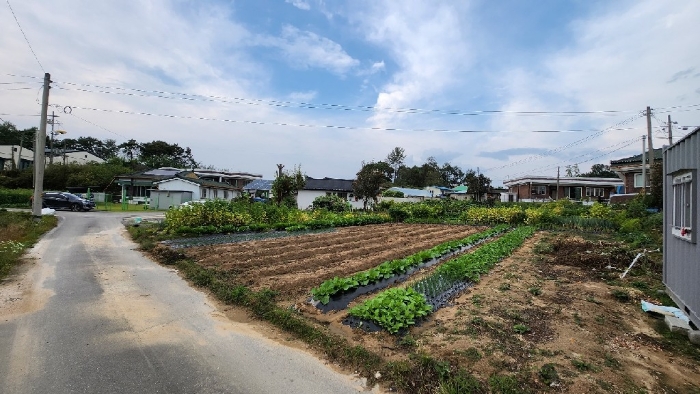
(63,200)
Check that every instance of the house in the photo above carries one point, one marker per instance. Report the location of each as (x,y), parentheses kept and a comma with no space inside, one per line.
(544,188)
(10,154)
(681,251)
(326,187)
(460,192)
(71,156)
(188,186)
(629,169)
(410,195)
(260,188)
(137,186)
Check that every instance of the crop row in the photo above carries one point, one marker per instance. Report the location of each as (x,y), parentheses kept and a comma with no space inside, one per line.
(400,308)
(387,269)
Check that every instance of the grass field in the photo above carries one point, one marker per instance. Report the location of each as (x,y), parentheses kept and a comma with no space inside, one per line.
(19,231)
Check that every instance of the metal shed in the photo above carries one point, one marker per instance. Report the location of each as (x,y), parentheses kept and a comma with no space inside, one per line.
(164,199)
(681,210)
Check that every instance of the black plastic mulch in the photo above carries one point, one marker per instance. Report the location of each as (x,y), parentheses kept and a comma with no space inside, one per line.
(342,300)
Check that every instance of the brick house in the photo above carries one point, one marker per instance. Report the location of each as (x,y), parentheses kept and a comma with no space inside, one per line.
(629,169)
(544,188)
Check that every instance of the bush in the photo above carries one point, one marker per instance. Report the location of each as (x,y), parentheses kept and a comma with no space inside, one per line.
(631,226)
(399,212)
(15,197)
(332,203)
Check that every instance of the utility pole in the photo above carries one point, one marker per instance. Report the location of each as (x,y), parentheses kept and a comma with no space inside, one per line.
(670,131)
(39,154)
(53,121)
(557,197)
(644,167)
(651,146)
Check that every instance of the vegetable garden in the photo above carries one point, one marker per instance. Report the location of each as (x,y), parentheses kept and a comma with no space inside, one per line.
(456,297)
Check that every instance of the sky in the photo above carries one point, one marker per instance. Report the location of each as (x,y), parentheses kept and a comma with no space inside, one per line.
(513,87)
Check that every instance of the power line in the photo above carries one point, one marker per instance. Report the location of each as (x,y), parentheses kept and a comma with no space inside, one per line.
(96,125)
(25,36)
(292,104)
(68,109)
(569,145)
(621,145)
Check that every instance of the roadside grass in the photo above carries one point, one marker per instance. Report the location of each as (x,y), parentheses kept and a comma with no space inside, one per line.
(19,231)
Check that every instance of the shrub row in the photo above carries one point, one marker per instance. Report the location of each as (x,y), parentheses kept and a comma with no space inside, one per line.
(12,198)
(390,268)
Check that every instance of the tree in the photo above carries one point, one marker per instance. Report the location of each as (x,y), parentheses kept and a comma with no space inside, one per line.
(428,174)
(451,175)
(131,149)
(369,180)
(286,186)
(395,159)
(162,154)
(572,171)
(477,184)
(600,171)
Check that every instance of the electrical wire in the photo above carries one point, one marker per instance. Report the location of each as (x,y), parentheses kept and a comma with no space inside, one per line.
(96,125)
(70,108)
(292,104)
(625,144)
(25,36)
(569,145)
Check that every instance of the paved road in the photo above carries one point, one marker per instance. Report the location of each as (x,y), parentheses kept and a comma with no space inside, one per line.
(92,315)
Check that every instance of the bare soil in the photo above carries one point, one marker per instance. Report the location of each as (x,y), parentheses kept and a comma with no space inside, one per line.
(555,314)
(293,266)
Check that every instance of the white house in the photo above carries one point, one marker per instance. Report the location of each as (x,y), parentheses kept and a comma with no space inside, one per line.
(325,187)
(201,189)
(11,154)
(72,156)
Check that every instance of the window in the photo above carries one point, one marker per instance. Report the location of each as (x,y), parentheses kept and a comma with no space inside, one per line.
(595,192)
(342,195)
(542,190)
(225,194)
(681,225)
(638,180)
(204,192)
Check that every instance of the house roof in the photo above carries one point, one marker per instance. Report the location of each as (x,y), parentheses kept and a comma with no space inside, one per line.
(461,188)
(192,177)
(658,155)
(412,192)
(259,184)
(564,181)
(343,185)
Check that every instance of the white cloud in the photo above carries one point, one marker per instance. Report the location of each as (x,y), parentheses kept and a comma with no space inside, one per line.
(428,43)
(300,4)
(621,59)
(303,96)
(305,49)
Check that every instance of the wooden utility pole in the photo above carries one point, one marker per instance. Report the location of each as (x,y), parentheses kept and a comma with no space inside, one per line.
(651,146)
(53,122)
(644,167)
(557,197)
(670,131)
(39,154)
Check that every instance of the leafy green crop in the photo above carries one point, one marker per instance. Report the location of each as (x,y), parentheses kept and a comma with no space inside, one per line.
(393,309)
(385,311)
(390,268)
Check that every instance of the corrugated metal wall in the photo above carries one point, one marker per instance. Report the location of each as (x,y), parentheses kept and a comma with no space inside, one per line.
(682,258)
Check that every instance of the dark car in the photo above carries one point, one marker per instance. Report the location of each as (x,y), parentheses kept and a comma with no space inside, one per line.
(63,200)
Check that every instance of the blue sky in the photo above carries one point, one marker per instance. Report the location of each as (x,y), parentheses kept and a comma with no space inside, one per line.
(246,67)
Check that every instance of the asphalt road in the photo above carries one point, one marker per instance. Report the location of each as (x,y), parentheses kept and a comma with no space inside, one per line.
(91,314)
